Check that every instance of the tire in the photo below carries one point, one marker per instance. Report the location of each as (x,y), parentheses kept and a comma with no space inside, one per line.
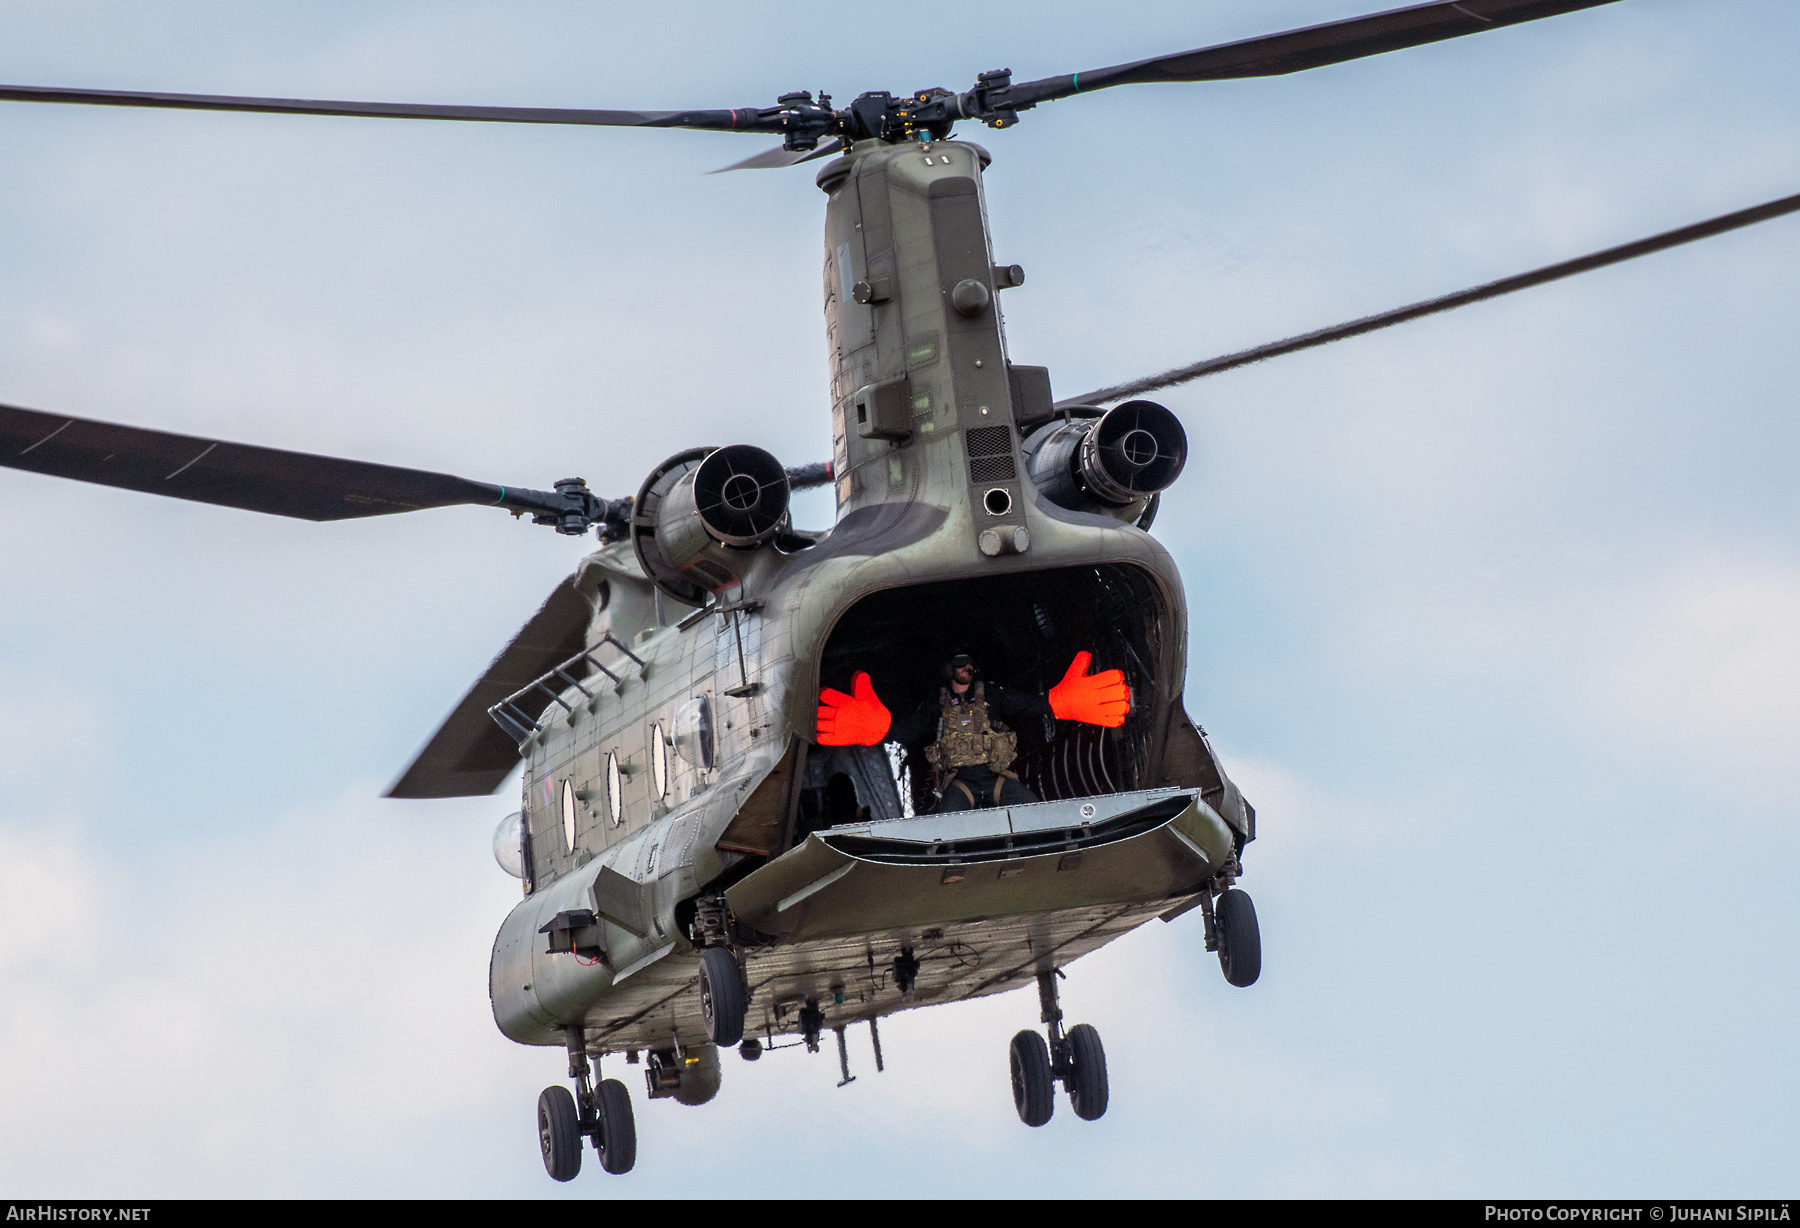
(617,1143)
(751,1049)
(1087,1081)
(1240,943)
(1034,1091)
(559,1133)
(722,1001)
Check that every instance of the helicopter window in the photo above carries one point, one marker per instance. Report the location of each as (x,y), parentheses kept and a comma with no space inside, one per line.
(615,790)
(568,815)
(509,844)
(694,733)
(659,761)
(845,272)
(1023,630)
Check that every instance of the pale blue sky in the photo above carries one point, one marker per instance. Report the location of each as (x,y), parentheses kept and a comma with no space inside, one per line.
(1496,617)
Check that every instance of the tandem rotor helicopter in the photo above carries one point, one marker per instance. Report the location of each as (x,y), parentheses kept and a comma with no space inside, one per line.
(777,784)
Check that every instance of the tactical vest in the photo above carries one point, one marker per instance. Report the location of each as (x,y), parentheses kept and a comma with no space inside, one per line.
(966,736)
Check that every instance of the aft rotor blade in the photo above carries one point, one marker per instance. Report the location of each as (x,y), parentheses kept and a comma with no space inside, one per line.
(1312,47)
(1431,306)
(469,755)
(805,477)
(255,479)
(747,120)
(780,156)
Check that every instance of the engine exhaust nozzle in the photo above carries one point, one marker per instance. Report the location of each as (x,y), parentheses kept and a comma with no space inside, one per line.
(1132,452)
(736,498)
(741,494)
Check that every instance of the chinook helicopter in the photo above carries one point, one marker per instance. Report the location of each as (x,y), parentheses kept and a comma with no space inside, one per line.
(692,877)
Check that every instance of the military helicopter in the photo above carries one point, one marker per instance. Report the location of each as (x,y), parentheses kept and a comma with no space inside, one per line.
(686,881)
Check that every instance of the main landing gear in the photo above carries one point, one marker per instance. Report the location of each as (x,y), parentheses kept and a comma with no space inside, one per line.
(601,1113)
(724,989)
(1077,1059)
(1231,931)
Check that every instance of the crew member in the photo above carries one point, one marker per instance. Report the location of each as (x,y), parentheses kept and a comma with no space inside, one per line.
(972,754)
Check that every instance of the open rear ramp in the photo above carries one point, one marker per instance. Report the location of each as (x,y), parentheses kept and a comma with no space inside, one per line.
(897,874)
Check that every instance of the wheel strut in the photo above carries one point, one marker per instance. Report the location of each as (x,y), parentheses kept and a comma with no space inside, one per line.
(582,1073)
(1052,1017)
(1211,919)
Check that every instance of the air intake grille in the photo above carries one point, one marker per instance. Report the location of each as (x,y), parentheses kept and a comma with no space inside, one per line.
(990,441)
(990,454)
(992,469)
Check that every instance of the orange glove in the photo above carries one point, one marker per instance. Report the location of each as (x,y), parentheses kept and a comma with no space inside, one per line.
(856,720)
(1103,699)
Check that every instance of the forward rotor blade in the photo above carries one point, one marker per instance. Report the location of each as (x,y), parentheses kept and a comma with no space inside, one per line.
(254,479)
(749,120)
(1312,47)
(1431,306)
(779,156)
(469,755)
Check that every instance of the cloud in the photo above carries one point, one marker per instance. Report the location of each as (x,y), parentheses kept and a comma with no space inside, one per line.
(1699,666)
(48,897)
(1297,818)
(296,997)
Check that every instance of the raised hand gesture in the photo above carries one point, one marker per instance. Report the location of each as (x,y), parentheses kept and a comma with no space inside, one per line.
(1102,699)
(856,720)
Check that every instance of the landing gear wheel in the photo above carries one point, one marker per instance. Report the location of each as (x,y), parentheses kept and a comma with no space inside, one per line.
(1240,943)
(722,1001)
(1034,1090)
(617,1138)
(559,1133)
(1086,1080)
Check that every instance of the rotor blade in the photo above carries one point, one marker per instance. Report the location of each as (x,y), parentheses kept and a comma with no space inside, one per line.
(255,479)
(1431,306)
(1312,47)
(779,156)
(748,120)
(805,477)
(469,755)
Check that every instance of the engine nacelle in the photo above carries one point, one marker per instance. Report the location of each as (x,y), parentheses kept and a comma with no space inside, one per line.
(699,509)
(1109,463)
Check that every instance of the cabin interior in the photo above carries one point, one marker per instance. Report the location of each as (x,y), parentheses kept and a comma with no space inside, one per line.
(1023,631)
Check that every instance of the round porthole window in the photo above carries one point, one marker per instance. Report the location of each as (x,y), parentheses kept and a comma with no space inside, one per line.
(615,790)
(659,761)
(568,814)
